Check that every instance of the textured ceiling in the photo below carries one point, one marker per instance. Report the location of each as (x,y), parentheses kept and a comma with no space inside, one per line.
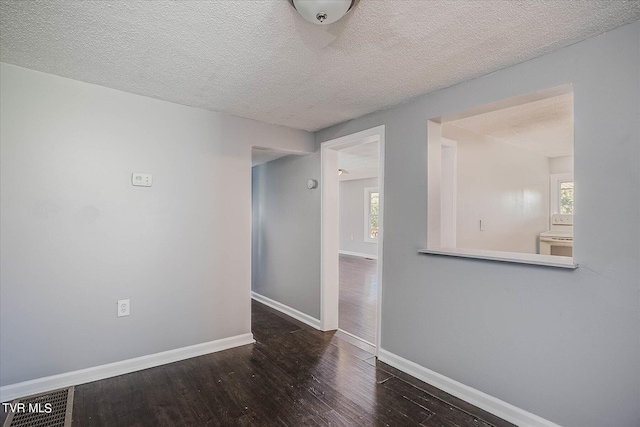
(360,161)
(260,59)
(544,127)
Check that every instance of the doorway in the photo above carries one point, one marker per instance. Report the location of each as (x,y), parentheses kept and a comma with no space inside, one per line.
(285,241)
(355,267)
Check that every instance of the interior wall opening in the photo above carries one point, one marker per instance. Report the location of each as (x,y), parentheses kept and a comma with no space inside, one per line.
(501,179)
(359,203)
(285,243)
(352,234)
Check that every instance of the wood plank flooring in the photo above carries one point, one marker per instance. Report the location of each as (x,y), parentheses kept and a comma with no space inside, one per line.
(292,376)
(358,296)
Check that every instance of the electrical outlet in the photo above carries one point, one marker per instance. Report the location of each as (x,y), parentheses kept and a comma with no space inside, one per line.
(124,307)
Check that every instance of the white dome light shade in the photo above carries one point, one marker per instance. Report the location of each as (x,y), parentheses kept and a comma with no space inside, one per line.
(322,12)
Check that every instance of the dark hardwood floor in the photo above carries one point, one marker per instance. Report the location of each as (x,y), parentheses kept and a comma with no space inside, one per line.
(358,297)
(292,376)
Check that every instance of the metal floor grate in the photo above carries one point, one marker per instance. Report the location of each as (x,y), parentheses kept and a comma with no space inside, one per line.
(52,409)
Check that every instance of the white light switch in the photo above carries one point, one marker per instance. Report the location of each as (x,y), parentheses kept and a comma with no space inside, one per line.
(142,179)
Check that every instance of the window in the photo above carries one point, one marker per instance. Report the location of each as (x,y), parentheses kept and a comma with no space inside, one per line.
(371,210)
(562,196)
(566,198)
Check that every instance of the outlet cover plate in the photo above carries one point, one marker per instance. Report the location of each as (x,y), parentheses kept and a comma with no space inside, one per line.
(124,307)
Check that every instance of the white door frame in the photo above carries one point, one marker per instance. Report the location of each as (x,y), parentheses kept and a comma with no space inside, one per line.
(329,275)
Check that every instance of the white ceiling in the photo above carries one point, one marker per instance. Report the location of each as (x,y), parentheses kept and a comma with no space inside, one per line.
(360,161)
(544,127)
(260,156)
(260,59)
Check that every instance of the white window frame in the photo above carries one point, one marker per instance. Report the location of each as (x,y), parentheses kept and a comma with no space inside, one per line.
(367,213)
(554,190)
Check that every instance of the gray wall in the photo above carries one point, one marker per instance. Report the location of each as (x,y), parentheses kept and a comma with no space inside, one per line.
(352,216)
(561,344)
(76,236)
(286,232)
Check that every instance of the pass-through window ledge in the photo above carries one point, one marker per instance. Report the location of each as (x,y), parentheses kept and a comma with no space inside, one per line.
(512,257)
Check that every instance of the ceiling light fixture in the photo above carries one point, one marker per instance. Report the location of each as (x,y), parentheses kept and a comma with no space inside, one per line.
(323,12)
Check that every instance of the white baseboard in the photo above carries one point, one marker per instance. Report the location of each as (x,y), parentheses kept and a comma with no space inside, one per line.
(291,312)
(497,407)
(356,340)
(41,385)
(359,254)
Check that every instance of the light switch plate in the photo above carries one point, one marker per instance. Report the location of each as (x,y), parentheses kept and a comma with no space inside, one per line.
(141,179)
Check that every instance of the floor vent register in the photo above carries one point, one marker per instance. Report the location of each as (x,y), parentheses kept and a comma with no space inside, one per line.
(51,409)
